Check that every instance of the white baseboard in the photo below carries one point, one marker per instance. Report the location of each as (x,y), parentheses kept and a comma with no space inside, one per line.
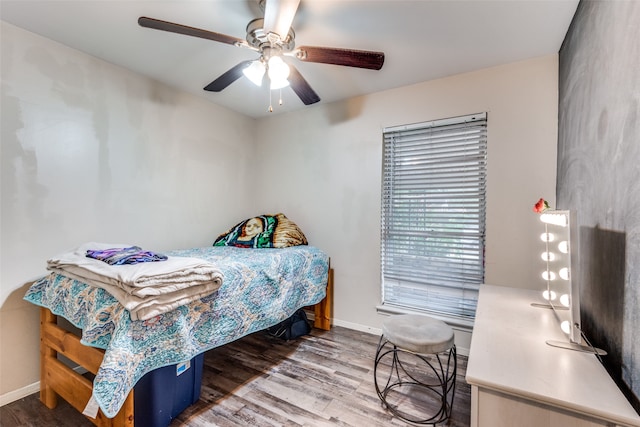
(18,394)
(463,335)
(357,327)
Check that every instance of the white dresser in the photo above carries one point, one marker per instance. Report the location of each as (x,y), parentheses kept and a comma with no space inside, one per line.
(517,380)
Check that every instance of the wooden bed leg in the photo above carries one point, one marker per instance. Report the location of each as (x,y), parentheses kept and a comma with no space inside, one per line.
(322,310)
(47,395)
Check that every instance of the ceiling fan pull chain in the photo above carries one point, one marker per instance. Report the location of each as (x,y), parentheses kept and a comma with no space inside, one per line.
(270,106)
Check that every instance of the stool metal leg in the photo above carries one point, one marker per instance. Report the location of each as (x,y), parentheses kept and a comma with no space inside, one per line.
(401,375)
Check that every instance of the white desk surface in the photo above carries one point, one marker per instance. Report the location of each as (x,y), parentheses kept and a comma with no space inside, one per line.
(509,354)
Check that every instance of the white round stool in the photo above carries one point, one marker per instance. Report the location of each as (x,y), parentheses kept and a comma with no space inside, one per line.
(416,353)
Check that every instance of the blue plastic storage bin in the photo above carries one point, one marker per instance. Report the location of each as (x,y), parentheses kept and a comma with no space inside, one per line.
(161,395)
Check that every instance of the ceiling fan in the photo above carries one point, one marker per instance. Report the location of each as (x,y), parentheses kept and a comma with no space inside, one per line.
(273,37)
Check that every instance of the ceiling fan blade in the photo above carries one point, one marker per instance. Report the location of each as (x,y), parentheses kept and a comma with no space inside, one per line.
(278,16)
(227,78)
(300,86)
(337,56)
(172,27)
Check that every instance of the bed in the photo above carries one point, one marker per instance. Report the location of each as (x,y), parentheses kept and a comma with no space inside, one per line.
(261,287)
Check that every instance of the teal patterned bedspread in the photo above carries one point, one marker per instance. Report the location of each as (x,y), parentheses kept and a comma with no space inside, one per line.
(261,287)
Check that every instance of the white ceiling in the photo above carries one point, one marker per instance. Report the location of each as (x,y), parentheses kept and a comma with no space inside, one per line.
(421,39)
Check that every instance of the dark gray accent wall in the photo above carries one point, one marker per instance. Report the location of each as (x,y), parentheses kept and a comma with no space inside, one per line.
(599,176)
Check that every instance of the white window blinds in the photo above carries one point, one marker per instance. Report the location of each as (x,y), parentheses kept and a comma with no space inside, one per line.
(433,215)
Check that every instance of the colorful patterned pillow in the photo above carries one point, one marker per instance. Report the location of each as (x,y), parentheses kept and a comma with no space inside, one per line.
(263,231)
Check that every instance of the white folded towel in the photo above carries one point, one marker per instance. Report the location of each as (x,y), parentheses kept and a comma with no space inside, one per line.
(145,289)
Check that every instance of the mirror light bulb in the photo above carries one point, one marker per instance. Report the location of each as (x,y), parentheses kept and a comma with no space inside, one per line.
(547,237)
(564,273)
(566,327)
(548,275)
(548,256)
(549,295)
(555,219)
(564,300)
(563,247)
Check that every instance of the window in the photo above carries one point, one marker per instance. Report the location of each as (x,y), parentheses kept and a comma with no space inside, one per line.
(433,216)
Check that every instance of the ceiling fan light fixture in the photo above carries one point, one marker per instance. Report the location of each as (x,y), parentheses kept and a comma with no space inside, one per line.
(278,69)
(279,83)
(278,72)
(255,72)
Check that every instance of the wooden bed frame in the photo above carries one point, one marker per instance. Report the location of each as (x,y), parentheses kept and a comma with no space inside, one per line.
(56,379)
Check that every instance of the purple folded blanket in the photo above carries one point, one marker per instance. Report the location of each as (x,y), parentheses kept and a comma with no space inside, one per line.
(122,256)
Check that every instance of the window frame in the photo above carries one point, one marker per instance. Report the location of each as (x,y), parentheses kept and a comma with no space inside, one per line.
(466,287)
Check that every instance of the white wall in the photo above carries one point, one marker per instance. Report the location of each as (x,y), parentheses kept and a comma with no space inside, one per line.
(92,152)
(324,165)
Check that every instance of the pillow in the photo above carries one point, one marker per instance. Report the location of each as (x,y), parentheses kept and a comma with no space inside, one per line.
(263,231)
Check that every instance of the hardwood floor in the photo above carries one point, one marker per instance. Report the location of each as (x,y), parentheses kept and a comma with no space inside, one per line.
(324,379)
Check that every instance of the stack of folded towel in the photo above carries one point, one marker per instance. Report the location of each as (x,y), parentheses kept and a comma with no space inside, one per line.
(146,289)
